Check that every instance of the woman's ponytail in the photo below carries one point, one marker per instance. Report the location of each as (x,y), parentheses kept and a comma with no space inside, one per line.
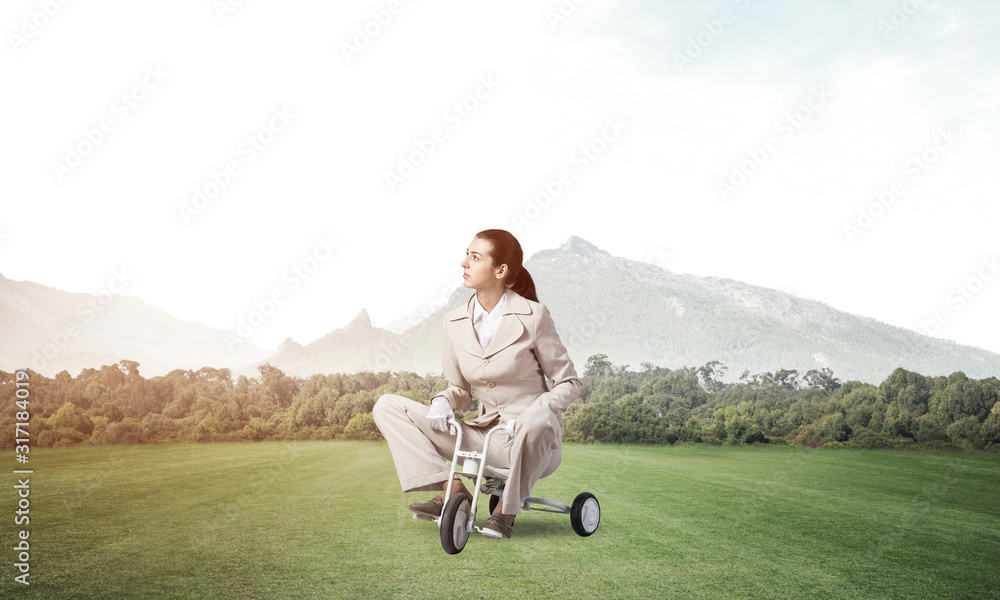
(506,250)
(524,285)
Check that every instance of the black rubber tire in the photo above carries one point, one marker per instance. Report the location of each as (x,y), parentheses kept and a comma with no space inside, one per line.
(454,518)
(585,514)
(494,500)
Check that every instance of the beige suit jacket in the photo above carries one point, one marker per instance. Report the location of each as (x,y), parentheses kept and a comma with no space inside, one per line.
(510,374)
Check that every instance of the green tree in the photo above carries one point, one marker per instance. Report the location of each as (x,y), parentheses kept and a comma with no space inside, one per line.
(67,417)
(911,391)
(966,433)
(898,422)
(834,428)
(281,387)
(611,389)
(711,374)
(822,379)
(362,427)
(598,366)
(991,428)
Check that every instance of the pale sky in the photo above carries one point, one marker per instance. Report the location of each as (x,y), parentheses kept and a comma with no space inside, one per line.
(343,170)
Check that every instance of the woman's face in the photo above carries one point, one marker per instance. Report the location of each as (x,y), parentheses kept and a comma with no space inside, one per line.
(478,271)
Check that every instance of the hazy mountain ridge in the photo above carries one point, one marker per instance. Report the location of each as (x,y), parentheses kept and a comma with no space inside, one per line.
(762,329)
(359,346)
(51,330)
(633,311)
(636,312)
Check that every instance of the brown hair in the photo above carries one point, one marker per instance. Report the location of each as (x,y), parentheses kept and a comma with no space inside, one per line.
(505,250)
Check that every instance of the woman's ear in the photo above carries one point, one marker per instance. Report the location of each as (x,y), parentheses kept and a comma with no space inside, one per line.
(502,271)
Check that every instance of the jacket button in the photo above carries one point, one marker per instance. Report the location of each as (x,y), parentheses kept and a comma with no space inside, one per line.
(490,384)
(486,361)
(500,408)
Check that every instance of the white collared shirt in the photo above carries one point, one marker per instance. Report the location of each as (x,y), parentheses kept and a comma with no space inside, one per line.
(486,323)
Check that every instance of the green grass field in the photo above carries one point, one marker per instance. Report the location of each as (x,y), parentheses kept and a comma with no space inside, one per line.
(327,520)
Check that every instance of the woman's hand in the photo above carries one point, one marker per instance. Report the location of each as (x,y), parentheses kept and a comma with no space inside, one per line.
(438,415)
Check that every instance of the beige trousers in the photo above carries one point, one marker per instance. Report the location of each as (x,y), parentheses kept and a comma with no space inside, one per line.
(421,453)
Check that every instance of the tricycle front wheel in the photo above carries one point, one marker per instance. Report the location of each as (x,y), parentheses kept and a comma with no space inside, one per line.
(454,522)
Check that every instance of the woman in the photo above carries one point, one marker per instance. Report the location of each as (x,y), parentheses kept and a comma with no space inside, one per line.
(503,344)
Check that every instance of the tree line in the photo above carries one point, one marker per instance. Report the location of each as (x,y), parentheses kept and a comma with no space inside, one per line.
(907,410)
(654,405)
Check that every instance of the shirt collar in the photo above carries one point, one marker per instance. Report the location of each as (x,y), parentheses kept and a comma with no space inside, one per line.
(478,312)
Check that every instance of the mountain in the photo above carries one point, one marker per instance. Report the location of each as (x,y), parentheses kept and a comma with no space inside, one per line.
(51,330)
(632,311)
(356,347)
(361,347)
(636,312)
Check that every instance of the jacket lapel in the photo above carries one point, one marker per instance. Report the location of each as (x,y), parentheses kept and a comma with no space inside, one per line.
(461,331)
(510,329)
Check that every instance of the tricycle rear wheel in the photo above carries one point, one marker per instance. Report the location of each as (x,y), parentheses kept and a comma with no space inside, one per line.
(585,514)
